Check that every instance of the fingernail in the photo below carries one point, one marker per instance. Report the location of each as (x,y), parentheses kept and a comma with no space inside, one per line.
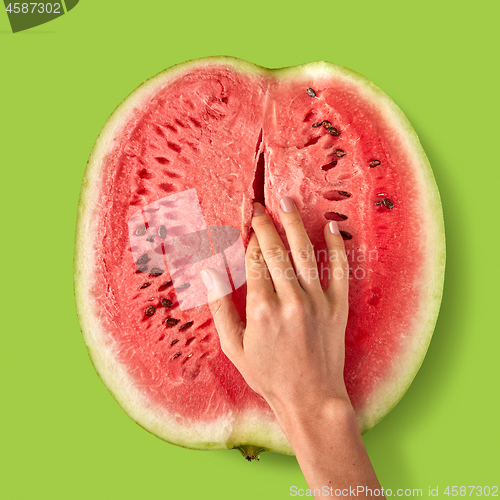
(258,209)
(208,281)
(334,227)
(287,204)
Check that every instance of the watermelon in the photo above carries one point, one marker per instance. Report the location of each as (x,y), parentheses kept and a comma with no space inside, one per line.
(169,189)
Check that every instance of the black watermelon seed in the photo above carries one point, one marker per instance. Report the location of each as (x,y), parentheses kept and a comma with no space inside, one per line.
(171,321)
(165,285)
(332,195)
(166,303)
(339,152)
(156,271)
(333,131)
(177,355)
(143,269)
(388,203)
(335,216)
(150,310)
(174,342)
(316,125)
(162,232)
(145,285)
(330,165)
(186,325)
(346,235)
(140,230)
(326,124)
(151,239)
(310,92)
(374,163)
(143,259)
(183,286)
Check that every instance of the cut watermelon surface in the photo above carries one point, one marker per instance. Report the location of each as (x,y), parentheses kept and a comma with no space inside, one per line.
(171,182)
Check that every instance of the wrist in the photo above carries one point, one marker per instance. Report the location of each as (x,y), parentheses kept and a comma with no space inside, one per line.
(298,419)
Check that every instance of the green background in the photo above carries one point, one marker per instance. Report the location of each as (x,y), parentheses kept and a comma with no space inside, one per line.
(62,434)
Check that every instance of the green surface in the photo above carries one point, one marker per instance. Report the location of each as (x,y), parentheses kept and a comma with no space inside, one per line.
(62,434)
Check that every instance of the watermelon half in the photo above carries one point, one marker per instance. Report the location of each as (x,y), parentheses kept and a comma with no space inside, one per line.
(170,183)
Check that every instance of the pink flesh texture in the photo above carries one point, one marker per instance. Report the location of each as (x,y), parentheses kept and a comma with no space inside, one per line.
(206,130)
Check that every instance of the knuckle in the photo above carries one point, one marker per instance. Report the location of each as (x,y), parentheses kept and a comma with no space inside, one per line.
(254,255)
(275,252)
(304,253)
(294,301)
(296,313)
(260,308)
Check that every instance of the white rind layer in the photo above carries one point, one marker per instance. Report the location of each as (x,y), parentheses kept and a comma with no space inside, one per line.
(247,427)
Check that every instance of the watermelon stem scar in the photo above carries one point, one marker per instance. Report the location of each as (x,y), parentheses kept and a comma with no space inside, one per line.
(169,187)
(251,453)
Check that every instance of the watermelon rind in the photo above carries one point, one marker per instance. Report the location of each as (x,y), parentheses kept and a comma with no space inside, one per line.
(249,430)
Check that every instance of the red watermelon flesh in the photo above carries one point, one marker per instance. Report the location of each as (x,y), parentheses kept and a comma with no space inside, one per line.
(228,133)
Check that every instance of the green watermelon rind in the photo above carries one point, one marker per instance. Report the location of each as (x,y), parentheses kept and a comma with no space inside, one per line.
(251,428)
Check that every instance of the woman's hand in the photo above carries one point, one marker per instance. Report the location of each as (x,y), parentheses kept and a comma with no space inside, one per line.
(291,350)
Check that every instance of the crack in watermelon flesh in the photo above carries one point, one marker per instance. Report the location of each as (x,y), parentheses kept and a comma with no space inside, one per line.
(235,137)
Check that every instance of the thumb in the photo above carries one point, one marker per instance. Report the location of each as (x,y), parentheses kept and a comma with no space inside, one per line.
(226,317)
